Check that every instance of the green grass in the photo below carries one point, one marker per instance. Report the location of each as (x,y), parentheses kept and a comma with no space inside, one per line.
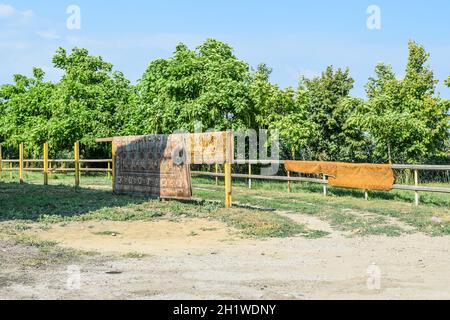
(46,252)
(372,217)
(31,241)
(254,212)
(60,204)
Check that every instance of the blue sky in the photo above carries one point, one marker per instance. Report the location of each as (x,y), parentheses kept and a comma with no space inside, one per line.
(292,37)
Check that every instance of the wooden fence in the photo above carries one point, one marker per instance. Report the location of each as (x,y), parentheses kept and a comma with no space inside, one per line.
(416,188)
(48,166)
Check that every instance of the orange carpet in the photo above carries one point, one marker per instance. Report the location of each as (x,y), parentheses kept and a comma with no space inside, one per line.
(348,175)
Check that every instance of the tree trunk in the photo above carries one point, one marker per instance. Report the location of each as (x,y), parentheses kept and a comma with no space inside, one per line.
(389,153)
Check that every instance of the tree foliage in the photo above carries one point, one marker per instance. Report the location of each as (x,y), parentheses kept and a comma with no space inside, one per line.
(402,120)
(209,85)
(406,120)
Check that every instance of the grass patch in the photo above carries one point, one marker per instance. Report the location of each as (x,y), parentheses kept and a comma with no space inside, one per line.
(44,246)
(63,203)
(134,255)
(262,224)
(367,218)
(252,223)
(208,229)
(60,204)
(362,226)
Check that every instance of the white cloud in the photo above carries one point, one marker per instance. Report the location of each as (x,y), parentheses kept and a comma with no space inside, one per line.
(48,34)
(12,15)
(6,11)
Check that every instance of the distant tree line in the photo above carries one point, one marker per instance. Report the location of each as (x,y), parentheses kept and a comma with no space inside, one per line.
(402,120)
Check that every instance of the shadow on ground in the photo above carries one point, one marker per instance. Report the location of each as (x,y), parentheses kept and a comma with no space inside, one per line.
(30,202)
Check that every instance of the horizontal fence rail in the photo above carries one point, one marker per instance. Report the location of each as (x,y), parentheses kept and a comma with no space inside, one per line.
(416,188)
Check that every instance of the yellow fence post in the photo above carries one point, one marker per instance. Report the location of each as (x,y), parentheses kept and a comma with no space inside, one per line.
(227,167)
(113,165)
(228,186)
(21,163)
(45,163)
(77,163)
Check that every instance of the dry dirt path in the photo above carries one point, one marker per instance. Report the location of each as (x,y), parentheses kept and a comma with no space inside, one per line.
(207,260)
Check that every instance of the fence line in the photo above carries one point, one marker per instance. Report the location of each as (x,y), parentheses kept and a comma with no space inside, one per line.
(78,169)
(47,164)
(416,188)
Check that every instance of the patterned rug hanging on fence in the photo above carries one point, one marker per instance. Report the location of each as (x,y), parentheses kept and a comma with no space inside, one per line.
(159,165)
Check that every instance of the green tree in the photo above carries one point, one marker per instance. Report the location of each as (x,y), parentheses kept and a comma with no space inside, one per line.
(330,109)
(289,115)
(25,112)
(87,103)
(406,120)
(208,84)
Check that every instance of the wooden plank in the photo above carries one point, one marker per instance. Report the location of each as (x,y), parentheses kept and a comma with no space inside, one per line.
(259,177)
(422,167)
(421,188)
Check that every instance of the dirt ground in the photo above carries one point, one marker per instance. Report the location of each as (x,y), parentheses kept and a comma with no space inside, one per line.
(202,259)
